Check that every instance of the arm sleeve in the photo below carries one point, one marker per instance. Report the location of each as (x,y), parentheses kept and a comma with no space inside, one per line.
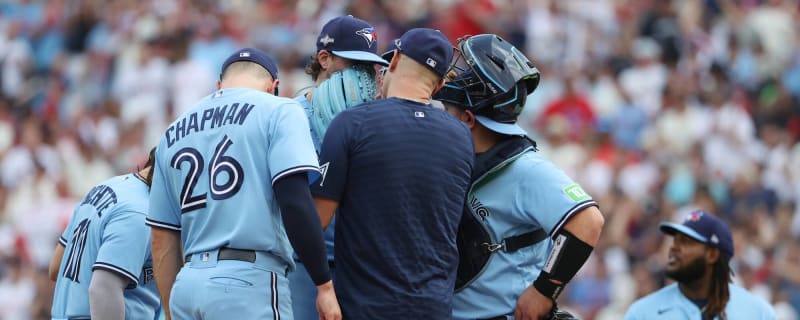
(125,244)
(334,157)
(299,216)
(106,297)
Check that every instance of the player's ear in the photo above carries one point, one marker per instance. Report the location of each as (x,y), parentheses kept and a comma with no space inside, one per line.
(393,63)
(439,85)
(324,59)
(219,84)
(468,118)
(712,255)
(272,87)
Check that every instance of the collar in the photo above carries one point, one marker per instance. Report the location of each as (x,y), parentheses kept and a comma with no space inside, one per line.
(500,152)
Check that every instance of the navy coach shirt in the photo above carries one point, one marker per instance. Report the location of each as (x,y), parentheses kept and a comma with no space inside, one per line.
(400,171)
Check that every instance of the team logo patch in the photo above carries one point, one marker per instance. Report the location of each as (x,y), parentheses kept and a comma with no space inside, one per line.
(244,54)
(419,114)
(576,193)
(323,170)
(326,40)
(369,35)
(431,62)
(694,216)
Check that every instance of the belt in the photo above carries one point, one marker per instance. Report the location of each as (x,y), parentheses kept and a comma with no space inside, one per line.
(231,254)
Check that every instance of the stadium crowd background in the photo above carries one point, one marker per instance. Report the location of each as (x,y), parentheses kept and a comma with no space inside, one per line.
(656,107)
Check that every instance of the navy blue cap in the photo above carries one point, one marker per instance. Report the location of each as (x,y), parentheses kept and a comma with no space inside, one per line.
(428,47)
(252,55)
(389,53)
(704,227)
(350,38)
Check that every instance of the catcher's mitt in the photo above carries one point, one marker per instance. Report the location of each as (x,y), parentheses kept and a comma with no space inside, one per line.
(556,314)
(344,89)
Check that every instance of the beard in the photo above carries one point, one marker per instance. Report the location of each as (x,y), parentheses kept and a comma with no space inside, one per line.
(694,270)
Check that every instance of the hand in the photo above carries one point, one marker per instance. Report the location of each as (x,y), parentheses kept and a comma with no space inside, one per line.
(327,304)
(532,305)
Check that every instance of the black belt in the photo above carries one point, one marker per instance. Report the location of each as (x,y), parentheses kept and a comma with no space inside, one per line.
(496,318)
(231,254)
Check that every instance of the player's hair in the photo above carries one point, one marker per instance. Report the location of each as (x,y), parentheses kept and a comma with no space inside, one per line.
(718,292)
(313,68)
(151,162)
(254,69)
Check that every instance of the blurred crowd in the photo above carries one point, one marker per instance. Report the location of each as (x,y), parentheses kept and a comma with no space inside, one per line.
(656,107)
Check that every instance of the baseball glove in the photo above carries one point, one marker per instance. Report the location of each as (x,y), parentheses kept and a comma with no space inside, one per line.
(344,89)
(560,315)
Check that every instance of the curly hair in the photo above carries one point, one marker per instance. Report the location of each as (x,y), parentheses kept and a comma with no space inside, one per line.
(313,67)
(719,295)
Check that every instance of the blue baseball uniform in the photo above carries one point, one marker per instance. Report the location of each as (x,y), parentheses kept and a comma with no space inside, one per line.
(107,232)
(304,292)
(670,303)
(214,172)
(399,171)
(517,193)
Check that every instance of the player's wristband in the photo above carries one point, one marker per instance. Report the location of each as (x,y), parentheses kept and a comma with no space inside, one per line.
(547,287)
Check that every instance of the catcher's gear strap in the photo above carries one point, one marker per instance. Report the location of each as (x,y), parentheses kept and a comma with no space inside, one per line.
(567,257)
(342,90)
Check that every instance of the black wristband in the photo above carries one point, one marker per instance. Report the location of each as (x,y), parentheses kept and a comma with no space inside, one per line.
(547,287)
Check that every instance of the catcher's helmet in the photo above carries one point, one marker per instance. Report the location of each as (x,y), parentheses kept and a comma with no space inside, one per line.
(492,78)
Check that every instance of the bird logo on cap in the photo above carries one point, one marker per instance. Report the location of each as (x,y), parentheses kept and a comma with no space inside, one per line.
(369,35)
(694,216)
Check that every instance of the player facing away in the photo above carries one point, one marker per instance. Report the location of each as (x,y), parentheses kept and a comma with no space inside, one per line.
(397,169)
(230,189)
(527,227)
(102,264)
(699,257)
(344,76)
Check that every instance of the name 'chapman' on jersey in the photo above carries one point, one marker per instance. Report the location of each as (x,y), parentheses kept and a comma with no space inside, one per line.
(211,118)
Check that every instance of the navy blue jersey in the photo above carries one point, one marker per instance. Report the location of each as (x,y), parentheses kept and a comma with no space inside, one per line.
(400,171)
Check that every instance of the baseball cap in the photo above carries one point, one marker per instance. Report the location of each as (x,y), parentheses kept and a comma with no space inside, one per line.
(350,38)
(704,227)
(428,47)
(389,54)
(252,55)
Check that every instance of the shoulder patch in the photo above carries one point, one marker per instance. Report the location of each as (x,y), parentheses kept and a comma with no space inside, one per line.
(576,193)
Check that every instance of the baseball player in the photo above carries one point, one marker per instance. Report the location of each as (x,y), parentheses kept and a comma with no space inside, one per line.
(527,227)
(397,170)
(344,75)
(230,185)
(699,257)
(102,264)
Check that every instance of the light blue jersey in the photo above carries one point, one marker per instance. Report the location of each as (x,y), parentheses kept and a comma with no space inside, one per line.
(519,195)
(215,167)
(670,303)
(107,232)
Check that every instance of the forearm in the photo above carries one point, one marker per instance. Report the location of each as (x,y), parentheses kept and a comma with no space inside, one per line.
(106,297)
(167,261)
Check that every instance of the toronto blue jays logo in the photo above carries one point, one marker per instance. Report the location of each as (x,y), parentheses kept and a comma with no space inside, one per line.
(369,35)
(694,216)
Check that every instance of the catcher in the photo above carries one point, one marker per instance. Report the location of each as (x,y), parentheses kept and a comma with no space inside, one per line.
(527,228)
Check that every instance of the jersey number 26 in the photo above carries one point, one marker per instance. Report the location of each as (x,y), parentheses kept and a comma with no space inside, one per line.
(219,163)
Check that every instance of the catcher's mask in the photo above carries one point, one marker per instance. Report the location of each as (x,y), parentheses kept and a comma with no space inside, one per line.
(492,78)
